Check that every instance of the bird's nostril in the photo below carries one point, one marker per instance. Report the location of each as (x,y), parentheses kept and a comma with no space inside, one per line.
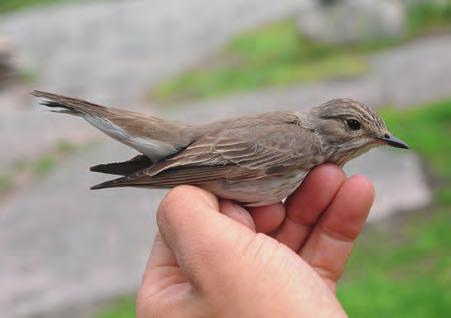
(386,136)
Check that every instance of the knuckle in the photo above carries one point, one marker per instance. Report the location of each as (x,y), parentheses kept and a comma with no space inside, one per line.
(330,274)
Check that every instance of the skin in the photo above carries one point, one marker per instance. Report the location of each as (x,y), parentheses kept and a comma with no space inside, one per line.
(217,259)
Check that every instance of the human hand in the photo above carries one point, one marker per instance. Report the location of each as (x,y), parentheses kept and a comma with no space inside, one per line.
(282,260)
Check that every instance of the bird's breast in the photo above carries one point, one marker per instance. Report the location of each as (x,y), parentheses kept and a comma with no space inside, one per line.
(257,192)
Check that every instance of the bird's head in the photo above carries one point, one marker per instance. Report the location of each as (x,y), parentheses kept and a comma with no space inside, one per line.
(349,128)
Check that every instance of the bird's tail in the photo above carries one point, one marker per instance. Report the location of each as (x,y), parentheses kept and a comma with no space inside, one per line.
(154,137)
(67,105)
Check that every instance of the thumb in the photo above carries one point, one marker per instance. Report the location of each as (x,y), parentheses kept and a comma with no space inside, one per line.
(203,240)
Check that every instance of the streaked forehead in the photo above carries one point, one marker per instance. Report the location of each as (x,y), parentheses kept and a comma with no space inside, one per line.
(349,108)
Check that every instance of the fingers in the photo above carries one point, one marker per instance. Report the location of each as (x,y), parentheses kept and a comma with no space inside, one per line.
(200,237)
(307,203)
(237,213)
(268,218)
(331,242)
(264,219)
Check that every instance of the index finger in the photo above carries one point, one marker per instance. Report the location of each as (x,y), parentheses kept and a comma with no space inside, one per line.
(307,203)
(330,244)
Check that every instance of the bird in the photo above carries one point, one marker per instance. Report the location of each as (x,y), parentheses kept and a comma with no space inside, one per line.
(256,160)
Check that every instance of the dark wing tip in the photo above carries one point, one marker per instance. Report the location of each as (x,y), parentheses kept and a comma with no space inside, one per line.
(105,185)
(97,187)
(109,168)
(97,168)
(51,104)
(119,182)
(125,168)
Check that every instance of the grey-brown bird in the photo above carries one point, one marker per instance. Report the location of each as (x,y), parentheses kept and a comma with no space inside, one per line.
(256,160)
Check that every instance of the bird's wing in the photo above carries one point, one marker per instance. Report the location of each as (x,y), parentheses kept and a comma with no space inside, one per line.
(250,148)
(124,168)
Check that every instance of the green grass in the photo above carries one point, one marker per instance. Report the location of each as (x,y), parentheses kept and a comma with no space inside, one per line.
(277,55)
(5,183)
(13,5)
(401,271)
(123,307)
(427,130)
(443,196)
(7,6)
(44,165)
(427,17)
(274,55)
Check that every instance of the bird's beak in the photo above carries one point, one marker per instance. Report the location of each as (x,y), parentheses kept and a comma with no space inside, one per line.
(394,142)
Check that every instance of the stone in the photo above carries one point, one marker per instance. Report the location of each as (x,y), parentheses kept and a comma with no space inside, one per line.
(348,21)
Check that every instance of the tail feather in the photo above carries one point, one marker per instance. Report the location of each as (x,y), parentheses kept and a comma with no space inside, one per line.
(60,108)
(73,106)
(154,137)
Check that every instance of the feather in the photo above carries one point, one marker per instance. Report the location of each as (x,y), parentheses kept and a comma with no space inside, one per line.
(128,167)
(186,175)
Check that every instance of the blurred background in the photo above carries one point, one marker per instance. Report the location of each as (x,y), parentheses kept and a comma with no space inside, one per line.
(66,251)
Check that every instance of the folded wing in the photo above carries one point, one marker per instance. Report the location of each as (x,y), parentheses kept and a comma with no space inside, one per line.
(250,148)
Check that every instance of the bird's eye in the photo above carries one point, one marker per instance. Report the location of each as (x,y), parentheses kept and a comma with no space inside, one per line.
(353,124)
